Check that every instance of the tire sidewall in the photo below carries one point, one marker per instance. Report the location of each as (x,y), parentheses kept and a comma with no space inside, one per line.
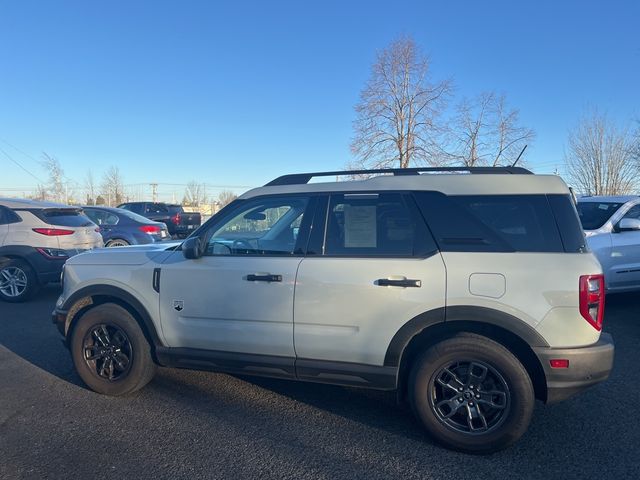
(32,281)
(111,314)
(464,349)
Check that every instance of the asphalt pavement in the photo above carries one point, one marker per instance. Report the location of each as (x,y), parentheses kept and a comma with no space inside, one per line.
(188,424)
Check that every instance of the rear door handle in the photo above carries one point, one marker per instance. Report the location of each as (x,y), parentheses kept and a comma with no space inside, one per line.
(406,282)
(266,277)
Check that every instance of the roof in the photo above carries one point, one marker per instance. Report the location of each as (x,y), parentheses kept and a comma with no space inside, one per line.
(448,183)
(609,198)
(24,203)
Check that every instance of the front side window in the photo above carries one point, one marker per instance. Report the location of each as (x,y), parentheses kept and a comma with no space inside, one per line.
(267,226)
(634,212)
(369,225)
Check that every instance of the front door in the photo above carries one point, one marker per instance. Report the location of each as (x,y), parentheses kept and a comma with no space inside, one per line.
(238,297)
(625,256)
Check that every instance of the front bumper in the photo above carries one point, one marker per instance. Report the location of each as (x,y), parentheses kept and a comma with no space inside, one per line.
(587,366)
(59,319)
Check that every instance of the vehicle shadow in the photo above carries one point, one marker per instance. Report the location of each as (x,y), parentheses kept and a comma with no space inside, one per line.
(26,330)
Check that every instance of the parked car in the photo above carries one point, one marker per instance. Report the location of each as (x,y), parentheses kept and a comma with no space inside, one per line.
(612,228)
(35,240)
(120,227)
(470,294)
(178,222)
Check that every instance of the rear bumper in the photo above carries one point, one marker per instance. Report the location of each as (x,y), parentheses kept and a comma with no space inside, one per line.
(587,366)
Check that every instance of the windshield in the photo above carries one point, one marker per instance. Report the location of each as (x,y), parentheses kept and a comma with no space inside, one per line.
(593,215)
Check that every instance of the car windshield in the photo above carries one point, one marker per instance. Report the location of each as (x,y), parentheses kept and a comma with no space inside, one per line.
(594,215)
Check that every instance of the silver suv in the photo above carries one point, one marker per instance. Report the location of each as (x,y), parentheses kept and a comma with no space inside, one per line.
(35,240)
(468,291)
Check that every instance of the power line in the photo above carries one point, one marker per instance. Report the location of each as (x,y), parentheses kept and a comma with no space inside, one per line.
(19,165)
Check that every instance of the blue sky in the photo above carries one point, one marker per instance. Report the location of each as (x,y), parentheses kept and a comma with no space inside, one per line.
(235,93)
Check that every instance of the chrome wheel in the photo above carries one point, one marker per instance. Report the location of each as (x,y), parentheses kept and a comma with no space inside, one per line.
(13,281)
(470,397)
(107,351)
(117,243)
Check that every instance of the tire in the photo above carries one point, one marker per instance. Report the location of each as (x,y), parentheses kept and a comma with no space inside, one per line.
(110,373)
(491,383)
(117,242)
(18,281)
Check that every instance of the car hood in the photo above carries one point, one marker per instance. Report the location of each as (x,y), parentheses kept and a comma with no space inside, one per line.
(132,255)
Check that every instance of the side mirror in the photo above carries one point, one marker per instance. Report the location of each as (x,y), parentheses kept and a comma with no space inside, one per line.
(628,225)
(192,248)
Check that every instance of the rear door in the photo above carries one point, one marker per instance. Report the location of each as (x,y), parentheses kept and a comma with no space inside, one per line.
(372,268)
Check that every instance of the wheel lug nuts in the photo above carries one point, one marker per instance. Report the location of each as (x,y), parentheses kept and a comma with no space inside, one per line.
(460,399)
(460,389)
(477,396)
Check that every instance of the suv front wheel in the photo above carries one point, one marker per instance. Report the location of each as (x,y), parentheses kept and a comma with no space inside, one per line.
(110,351)
(471,394)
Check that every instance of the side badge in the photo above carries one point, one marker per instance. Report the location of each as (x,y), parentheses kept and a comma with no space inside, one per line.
(178,305)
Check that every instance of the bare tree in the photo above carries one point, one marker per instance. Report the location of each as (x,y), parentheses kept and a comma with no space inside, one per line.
(56,186)
(485,131)
(40,193)
(602,159)
(90,188)
(226,197)
(397,121)
(113,186)
(195,194)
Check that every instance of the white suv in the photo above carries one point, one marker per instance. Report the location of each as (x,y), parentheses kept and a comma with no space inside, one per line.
(470,294)
(35,240)
(612,228)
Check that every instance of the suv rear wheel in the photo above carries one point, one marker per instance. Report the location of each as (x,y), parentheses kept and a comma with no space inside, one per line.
(18,281)
(110,352)
(471,394)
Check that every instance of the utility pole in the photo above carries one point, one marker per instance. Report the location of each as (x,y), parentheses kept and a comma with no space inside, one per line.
(154,192)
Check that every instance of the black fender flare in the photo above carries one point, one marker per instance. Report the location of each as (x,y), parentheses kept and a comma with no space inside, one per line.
(118,294)
(459,313)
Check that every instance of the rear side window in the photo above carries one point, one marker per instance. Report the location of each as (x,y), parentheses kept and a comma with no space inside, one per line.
(8,216)
(372,224)
(491,223)
(564,209)
(64,217)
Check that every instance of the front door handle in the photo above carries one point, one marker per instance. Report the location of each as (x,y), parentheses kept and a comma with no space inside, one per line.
(263,277)
(405,282)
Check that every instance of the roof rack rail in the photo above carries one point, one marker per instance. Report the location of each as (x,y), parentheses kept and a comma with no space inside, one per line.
(302,178)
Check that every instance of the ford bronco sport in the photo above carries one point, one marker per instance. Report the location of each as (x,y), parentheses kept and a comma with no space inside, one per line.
(469,291)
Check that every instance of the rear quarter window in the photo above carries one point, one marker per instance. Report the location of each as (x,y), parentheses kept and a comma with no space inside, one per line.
(491,223)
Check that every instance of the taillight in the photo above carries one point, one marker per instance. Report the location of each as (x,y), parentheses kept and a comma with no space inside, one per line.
(151,229)
(592,299)
(53,232)
(176,219)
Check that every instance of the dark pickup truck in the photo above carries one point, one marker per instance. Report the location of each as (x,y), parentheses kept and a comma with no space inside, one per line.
(179,223)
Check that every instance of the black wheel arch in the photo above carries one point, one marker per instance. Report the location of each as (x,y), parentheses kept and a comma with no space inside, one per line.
(436,325)
(88,297)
